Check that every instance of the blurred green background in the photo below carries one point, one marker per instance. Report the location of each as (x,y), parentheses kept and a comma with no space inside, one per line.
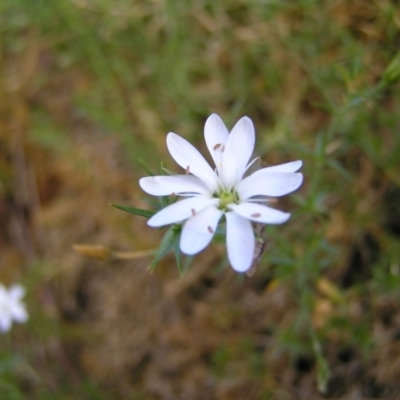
(89,90)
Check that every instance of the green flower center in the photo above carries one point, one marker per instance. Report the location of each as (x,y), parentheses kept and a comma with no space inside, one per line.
(227,198)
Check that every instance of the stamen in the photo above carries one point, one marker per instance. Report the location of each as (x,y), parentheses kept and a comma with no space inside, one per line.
(211,230)
(194,212)
(187,170)
(257,160)
(256,215)
(217,146)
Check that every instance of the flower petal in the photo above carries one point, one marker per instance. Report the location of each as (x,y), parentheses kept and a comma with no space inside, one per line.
(16,292)
(175,184)
(266,183)
(259,213)
(19,313)
(180,210)
(3,293)
(292,166)
(198,230)
(189,158)
(5,322)
(237,152)
(216,135)
(239,241)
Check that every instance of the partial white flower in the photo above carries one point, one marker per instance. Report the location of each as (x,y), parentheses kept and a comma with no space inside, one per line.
(210,194)
(11,306)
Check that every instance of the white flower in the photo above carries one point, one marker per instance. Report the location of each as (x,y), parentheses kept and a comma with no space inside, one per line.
(210,194)
(11,306)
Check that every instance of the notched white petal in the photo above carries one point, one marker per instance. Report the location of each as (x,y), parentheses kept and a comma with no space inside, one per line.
(239,241)
(259,213)
(292,166)
(19,313)
(16,292)
(3,292)
(190,159)
(5,323)
(176,184)
(198,230)
(215,135)
(180,211)
(266,183)
(238,150)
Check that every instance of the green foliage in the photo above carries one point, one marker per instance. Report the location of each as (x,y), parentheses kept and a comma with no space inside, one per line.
(135,211)
(238,359)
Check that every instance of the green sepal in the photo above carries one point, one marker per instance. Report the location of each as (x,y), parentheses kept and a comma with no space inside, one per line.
(177,252)
(136,211)
(170,242)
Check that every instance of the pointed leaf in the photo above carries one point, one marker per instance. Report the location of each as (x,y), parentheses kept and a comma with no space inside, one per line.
(136,211)
(145,167)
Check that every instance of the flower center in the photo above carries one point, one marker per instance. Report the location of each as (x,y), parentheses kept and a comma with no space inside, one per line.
(227,198)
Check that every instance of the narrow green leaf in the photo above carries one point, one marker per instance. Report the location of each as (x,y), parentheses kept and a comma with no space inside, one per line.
(323,371)
(322,374)
(145,167)
(136,211)
(392,72)
(339,167)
